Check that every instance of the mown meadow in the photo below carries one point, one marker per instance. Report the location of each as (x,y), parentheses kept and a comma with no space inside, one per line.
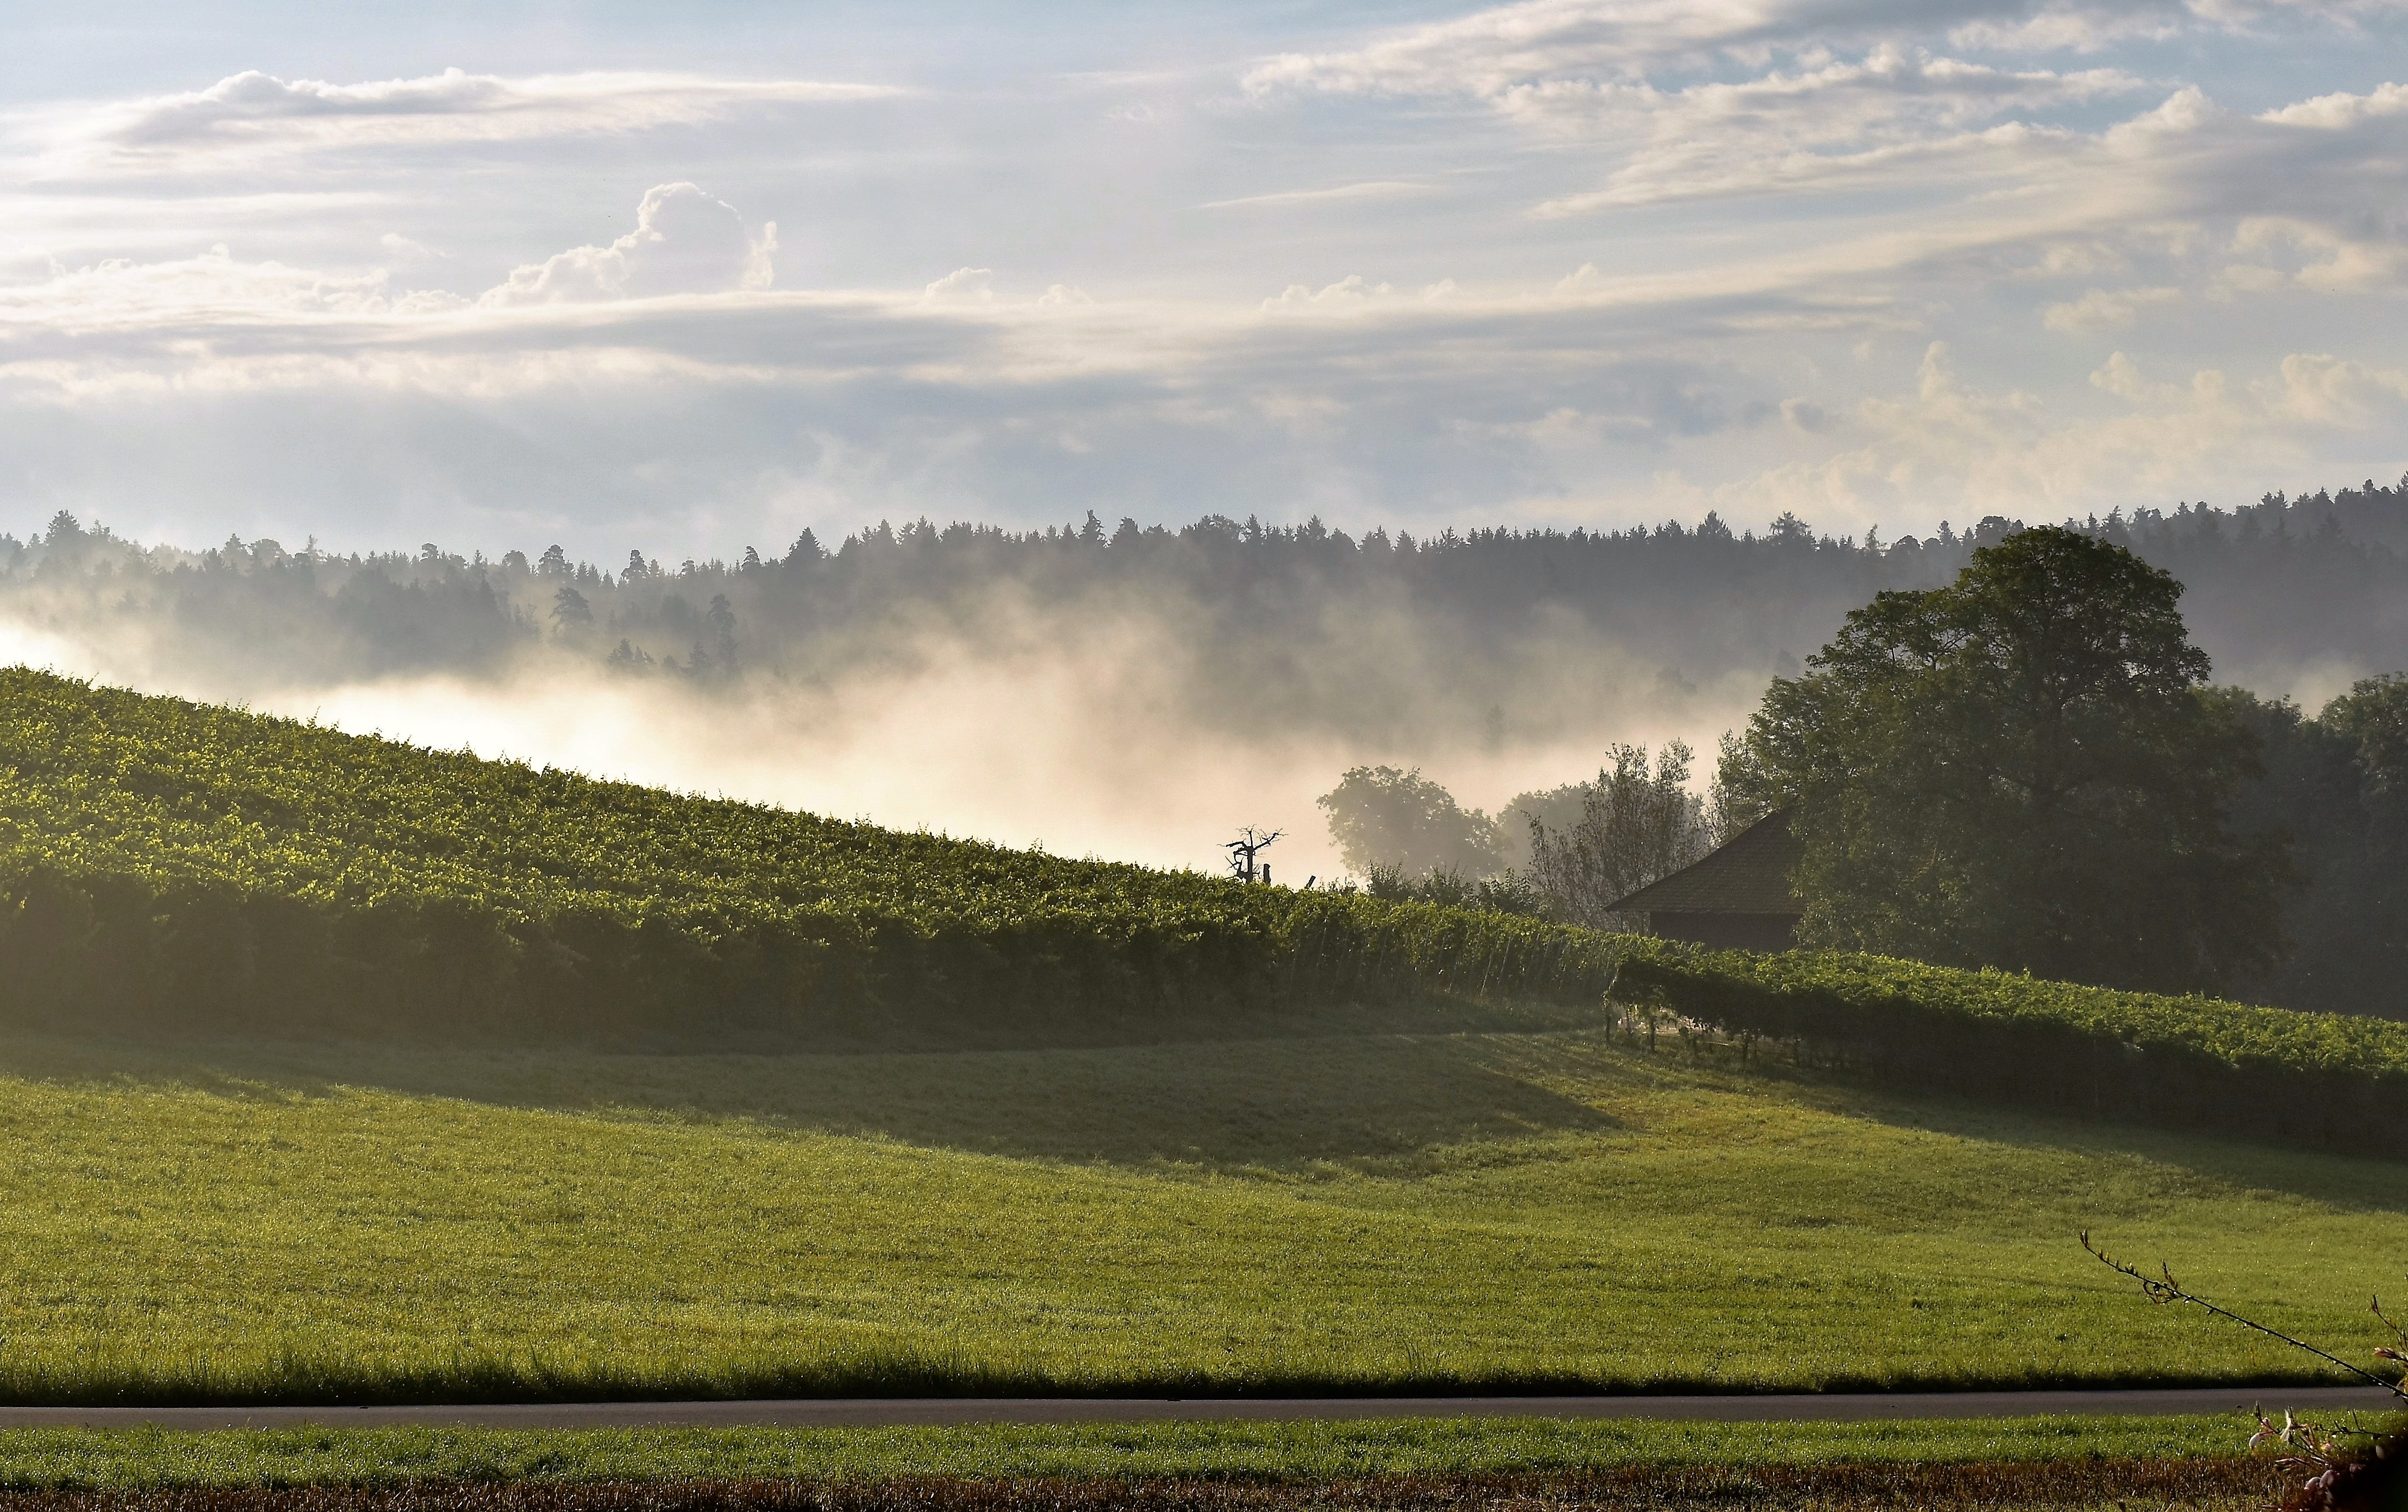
(1313,1452)
(1350,1212)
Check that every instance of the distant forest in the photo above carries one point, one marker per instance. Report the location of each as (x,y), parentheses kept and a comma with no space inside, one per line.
(1519,633)
(1385,641)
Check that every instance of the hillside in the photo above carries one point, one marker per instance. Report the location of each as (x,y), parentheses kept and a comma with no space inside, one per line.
(1349,1211)
(364,1099)
(170,865)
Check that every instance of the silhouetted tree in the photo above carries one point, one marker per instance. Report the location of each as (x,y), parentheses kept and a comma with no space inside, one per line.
(1380,816)
(1635,826)
(569,611)
(2020,770)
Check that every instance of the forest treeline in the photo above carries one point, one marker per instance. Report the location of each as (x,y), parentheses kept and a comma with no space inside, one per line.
(1514,634)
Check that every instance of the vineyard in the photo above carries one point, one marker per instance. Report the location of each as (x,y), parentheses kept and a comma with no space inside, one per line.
(166,865)
(171,865)
(2316,1079)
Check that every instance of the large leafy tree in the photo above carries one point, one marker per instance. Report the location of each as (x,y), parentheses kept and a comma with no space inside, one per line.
(1635,826)
(2023,769)
(1385,819)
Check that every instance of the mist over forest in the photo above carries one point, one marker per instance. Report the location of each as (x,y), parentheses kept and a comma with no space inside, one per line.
(1122,691)
(1498,635)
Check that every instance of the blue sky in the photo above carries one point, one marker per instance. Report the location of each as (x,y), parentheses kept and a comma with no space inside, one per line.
(689,279)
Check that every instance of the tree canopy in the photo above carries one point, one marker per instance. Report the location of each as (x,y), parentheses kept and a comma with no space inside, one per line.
(1382,817)
(2024,769)
(1635,826)
(2337,785)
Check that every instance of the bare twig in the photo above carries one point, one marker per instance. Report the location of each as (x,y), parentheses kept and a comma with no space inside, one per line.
(2169,1291)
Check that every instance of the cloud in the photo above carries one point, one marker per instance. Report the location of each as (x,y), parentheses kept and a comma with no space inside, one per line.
(1888,119)
(1895,119)
(2104,309)
(1350,293)
(1951,445)
(1751,218)
(1378,189)
(398,246)
(1507,53)
(84,310)
(1539,56)
(684,242)
(1545,55)
(963,286)
(2326,257)
(252,116)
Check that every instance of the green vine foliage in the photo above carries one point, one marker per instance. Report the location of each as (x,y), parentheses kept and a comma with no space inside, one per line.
(2315,1079)
(171,865)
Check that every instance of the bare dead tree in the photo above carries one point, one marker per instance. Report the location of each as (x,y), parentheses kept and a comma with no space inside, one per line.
(1242,850)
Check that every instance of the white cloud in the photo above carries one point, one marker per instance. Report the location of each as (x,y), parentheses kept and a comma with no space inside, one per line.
(1514,51)
(1953,446)
(1377,189)
(2328,259)
(2069,28)
(251,116)
(398,246)
(1888,119)
(1543,55)
(1350,293)
(684,242)
(191,298)
(2104,309)
(962,286)
(2339,112)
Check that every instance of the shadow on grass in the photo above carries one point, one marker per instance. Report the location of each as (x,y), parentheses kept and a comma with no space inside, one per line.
(1275,1106)
(2343,1180)
(1381,1102)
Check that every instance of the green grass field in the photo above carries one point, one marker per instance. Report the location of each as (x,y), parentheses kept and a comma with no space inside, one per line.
(1299,1451)
(1356,1212)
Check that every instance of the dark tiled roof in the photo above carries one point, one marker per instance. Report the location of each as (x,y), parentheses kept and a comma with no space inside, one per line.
(1747,874)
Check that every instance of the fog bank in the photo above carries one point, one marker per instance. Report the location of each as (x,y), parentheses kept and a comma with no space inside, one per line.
(1133,695)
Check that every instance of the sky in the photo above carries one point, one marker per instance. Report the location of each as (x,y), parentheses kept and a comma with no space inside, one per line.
(689,279)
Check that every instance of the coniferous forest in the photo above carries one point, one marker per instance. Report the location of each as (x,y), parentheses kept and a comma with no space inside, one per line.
(1506,635)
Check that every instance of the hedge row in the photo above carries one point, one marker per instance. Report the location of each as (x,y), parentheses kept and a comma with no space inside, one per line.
(2330,1081)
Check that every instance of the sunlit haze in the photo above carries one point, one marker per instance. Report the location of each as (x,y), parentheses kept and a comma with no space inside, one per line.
(685,280)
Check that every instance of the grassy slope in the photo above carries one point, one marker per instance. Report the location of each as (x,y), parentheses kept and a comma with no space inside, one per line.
(1354,1212)
(1307,1450)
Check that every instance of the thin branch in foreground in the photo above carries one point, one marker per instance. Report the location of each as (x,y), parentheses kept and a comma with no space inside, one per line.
(2169,1291)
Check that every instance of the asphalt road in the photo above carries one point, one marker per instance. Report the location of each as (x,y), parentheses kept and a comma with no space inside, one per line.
(944,1410)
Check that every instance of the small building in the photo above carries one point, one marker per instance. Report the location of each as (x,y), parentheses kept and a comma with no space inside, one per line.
(1736,897)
